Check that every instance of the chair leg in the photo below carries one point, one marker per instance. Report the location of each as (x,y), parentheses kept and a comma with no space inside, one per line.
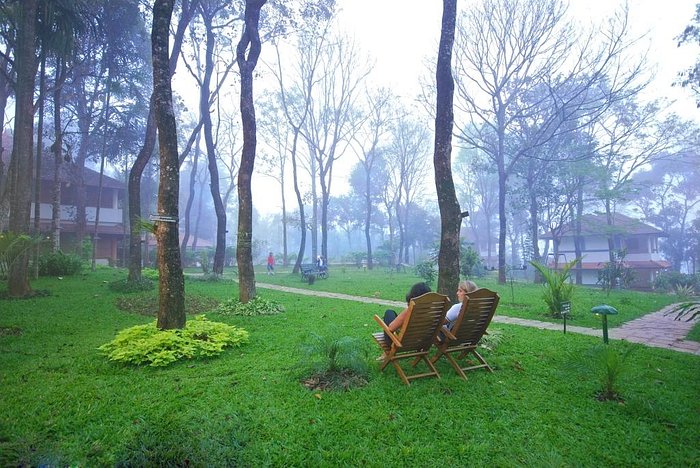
(400,371)
(482,360)
(456,366)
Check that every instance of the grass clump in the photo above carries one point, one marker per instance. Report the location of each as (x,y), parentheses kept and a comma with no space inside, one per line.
(256,306)
(147,304)
(334,363)
(125,286)
(150,273)
(147,345)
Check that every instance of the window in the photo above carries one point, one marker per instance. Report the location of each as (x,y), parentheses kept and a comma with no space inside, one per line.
(636,245)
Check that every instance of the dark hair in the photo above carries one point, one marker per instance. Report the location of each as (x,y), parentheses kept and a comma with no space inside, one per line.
(417,289)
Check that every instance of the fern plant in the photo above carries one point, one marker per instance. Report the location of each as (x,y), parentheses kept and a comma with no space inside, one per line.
(557,287)
(334,355)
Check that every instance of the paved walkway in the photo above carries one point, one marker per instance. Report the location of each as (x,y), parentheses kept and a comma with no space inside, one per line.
(656,329)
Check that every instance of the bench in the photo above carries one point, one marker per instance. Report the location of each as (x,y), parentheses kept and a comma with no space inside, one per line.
(311,269)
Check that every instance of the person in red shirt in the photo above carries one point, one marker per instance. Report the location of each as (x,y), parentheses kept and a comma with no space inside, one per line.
(270,264)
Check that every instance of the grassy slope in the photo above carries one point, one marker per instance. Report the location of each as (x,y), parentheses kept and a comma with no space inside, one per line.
(64,404)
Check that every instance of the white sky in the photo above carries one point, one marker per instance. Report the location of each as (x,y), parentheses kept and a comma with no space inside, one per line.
(401,36)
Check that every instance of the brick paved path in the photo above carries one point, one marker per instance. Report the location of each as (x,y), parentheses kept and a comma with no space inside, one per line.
(656,329)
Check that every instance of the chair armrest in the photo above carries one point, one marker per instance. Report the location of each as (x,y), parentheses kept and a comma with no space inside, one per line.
(387,331)
(447,333)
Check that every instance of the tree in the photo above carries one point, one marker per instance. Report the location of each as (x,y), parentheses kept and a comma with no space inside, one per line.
(134,184)
(250,43)
(23,143)
(171,283)
(368,139)
(506,50)
(450,217)
(691,77)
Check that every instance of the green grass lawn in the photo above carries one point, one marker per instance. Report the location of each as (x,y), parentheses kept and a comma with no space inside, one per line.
(65,404)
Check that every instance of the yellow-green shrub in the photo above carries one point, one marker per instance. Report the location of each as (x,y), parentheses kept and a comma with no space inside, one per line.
(146,344)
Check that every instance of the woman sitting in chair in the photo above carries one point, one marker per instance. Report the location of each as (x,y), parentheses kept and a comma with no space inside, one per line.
(464,288)
(393,321)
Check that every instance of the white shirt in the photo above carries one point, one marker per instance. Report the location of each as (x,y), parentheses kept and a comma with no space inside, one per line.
(452,314)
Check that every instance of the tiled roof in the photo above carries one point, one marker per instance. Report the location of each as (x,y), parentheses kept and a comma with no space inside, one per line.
(596,225)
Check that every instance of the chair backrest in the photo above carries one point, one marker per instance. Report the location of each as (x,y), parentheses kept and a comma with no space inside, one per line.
(475,316)
(422,323)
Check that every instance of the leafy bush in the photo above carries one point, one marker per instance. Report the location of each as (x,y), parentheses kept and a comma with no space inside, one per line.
(491,340)
(59,264)
(557,288)
(670,281)
(150,273)
(126,286)
(607,364)
(146,344)
(256,306)
(208,278)
(12,246)
(615,273)
(427,271)
(470,262)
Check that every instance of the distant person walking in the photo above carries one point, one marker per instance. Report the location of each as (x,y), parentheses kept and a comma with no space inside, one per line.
(270,264)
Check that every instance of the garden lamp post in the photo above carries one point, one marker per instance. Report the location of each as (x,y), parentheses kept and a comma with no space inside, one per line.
(604,310)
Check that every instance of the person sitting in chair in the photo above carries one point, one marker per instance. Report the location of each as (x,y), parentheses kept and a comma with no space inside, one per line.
(464,288)
(394,321)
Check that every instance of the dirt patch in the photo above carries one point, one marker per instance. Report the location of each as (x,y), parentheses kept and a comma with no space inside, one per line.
(10,331)
(340,380)
(147,304)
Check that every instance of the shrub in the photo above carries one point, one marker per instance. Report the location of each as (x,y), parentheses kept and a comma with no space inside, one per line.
(615,273)
(333,363)
(146,344)
(126,286)
(670,280)
(150,273)
(256,306)
(607,364)
(557,288)
(426,270)
(59,264)
(470,262)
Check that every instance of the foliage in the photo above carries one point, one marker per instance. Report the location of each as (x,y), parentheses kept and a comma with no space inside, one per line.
(12,246)
(204,261)
(210,277)
(607,363)
(150,273)
(491,340)
(126,286)
(615,273)
(470,262)
(256,306)
(148,303)
(670,281)
(147,345)
(557,285)
(427,271)
(685,291)
(356,258)
(59,264)
(329,354)
(688,311)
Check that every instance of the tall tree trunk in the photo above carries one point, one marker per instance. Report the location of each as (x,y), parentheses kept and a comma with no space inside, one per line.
(578,239)
(300,202)
(37,172)
(190,200)
(450,218)
(95,237)
(368,215)
(171,311)
(134,186)
(250,41)
(205,113)
(22,150)
(57,147)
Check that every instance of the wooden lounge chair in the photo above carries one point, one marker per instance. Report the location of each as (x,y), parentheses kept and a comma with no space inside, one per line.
(425,315)
(471,323)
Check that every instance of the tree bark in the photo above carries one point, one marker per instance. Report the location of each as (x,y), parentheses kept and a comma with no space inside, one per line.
(205,114)
(250,41)
(23,144)
(450,218)
(57,148)
(171,311)
(37,171)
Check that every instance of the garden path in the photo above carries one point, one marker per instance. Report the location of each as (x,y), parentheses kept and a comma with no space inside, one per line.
(656,329)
